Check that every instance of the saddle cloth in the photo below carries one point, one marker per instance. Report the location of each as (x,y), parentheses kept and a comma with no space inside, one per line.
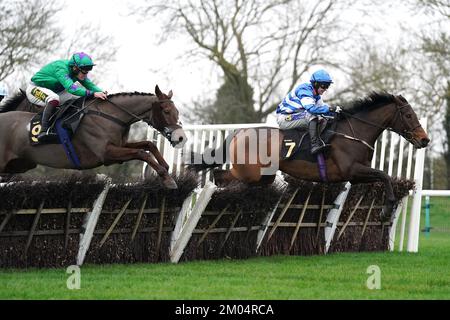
(296,143)
(69,116)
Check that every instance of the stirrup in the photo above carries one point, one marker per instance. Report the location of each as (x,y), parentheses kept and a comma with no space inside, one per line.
(319,149)
(46,135)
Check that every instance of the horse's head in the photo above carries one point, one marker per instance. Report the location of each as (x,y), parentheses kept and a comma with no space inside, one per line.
(407,124)
(165,119)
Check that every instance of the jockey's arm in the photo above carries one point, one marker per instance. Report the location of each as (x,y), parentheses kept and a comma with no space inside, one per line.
(71,87)
(315,107)
(88,84)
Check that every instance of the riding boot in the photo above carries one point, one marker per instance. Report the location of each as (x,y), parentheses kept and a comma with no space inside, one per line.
(48,112)
(317,145)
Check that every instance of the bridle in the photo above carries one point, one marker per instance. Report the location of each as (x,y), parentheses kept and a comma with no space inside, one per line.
(166,131)
(407,133)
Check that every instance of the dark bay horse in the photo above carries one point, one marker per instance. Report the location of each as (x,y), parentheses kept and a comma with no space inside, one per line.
(100,138)
(351,152)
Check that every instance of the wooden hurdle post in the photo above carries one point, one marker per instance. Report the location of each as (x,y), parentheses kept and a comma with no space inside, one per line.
(367,219)
(230,229)
(300,219)
(181,240)
(213,224)
(90,221)
(283,212)
(322,203)
(160,228)
(265,224)
(33,227)
(139,217)
(116,220)
(334,214)
(341,232)
(67,222)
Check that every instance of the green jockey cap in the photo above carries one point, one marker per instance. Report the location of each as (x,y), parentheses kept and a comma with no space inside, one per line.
(81,60)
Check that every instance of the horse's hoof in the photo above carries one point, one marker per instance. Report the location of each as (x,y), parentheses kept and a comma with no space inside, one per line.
(169,183)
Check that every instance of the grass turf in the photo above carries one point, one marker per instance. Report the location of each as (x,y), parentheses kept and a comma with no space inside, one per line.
(424,275)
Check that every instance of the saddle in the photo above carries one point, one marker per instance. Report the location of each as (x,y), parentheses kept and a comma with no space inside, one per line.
(296,142)
(64,121)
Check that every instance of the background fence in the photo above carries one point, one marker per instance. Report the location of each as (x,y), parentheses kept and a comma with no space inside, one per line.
(393,155)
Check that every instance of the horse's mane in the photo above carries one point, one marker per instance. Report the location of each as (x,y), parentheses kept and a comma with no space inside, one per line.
(372,101)
(130,94)
(12,103)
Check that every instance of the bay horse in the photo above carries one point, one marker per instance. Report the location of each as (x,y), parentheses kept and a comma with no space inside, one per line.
(349,158)
(100,138)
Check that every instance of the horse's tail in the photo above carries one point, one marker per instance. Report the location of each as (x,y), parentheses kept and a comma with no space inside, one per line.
(210,158)
(11,104)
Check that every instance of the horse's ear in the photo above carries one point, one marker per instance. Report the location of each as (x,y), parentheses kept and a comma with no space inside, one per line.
(157,91)
(170,94)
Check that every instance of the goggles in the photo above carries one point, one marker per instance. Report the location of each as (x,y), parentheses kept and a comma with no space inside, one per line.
(324,85)
(85,69)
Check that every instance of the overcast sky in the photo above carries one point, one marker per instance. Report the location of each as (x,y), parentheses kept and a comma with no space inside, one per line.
(141,62)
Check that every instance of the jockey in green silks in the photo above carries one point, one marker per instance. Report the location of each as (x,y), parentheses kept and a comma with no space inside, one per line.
(60,81)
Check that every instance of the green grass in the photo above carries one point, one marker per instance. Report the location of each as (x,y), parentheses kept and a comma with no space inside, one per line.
(424,275)
(439,212)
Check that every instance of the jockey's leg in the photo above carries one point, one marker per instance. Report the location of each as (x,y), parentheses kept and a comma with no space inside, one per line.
(317,145)
(45,98)
(293,121)
(49,110)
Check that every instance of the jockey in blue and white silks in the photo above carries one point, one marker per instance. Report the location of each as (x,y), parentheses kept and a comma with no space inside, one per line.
(303,106)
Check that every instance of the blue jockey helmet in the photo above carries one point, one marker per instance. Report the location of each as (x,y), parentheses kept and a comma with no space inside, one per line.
(321,76)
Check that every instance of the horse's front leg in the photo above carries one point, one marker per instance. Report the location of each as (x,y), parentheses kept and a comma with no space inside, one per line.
(148,146)
(361,173)
(116,154)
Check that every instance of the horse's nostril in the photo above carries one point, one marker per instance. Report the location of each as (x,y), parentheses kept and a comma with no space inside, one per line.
(425,141)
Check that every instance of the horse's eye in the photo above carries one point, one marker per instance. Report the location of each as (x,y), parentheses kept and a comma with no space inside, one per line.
(167,111)
(409,116)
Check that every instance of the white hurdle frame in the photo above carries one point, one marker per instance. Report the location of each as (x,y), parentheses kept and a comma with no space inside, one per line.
(202,136)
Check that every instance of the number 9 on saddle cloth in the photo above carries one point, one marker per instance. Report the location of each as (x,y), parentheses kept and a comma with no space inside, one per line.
(68,116)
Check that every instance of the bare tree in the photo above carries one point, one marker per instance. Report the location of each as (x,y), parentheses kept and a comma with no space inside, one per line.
(99,45)
(262,47)
(27,32)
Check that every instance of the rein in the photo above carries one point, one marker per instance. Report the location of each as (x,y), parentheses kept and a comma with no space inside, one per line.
(114,119)
(397,113)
